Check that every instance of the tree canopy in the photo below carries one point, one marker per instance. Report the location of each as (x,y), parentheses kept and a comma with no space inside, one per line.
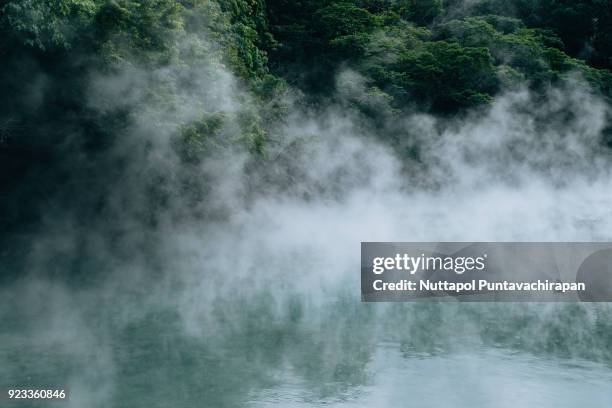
(440,57)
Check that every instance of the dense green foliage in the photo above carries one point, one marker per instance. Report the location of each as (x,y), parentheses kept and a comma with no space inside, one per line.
(413,50)
(443,56)
(436,56)
(583,26)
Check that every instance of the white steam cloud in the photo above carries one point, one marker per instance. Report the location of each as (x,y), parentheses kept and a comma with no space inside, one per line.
(273,260)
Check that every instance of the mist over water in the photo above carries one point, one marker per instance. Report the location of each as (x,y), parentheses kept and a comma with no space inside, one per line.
(478,378)
(249,295)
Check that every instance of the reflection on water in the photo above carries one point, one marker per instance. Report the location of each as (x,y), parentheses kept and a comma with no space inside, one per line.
(266,353)
(485,378)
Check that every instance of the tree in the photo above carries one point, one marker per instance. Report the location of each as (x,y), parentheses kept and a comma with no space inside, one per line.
(422,12)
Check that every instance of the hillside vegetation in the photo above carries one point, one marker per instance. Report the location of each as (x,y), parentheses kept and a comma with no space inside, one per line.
(76,75)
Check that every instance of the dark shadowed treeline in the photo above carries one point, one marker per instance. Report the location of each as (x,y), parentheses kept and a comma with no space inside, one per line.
(79,78)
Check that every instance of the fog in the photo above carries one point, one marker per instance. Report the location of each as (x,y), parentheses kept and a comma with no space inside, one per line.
(242,274)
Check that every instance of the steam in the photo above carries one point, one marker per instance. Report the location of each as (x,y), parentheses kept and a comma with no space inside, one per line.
(264,266)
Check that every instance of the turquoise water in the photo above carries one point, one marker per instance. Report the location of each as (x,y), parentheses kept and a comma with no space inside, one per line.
(341,353)
(482,378)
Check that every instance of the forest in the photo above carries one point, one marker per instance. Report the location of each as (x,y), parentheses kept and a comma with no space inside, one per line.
(77,74)
(184,185)
(442,57)
(448,58)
